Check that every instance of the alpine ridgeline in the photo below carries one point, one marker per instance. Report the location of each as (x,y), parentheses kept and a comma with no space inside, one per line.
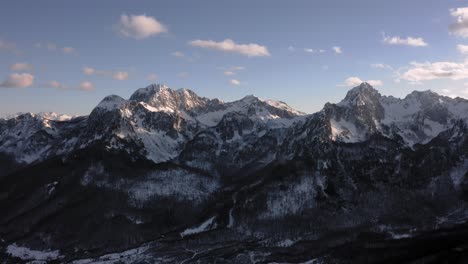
(172,177)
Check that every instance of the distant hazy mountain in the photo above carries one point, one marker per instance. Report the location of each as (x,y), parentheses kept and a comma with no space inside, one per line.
(168,176)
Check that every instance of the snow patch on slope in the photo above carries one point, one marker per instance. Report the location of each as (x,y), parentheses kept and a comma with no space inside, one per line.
(345,131)
(26,253)
(203,227)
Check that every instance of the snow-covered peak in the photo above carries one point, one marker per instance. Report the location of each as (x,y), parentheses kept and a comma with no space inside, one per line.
(163,98)
(361,95)
(150,89)
(111,102)
(250,99)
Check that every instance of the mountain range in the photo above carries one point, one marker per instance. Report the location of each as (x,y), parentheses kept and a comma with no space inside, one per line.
(168,176)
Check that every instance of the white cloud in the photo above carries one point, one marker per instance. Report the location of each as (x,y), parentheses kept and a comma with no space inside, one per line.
(21,66)
(152,77)
(228,45)
(121,76)
(139,26)
(18,80)
(309,50)
(178,54)
(355,81)
(426,71)
(86,86)
(409,41)
(234,82)
(463,49)
(68,50)
(291,48)
(460,27)
(337,50)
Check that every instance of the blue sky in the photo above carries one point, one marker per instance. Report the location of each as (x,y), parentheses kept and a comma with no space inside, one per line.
(65,56)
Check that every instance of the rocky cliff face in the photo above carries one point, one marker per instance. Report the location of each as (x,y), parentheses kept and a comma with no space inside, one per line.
(170,176)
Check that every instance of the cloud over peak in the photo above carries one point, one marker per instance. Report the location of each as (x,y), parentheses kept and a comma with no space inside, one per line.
(139,26)
(355,81)
(228,45)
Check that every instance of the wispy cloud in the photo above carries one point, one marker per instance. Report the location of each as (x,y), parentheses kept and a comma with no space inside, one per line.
(8,47)
(121,76)
(460,27)
(86,86)
(337,50)
(230,71)
(308,50)
(68,50)
(178,54)
(83,86)
(408,41)
(228,45)
(182,74)
(21,67)
(355,81)
(381,66)
(139,26)
(18,80)
(152,77)
(56,85)
(118,75)
(50,46)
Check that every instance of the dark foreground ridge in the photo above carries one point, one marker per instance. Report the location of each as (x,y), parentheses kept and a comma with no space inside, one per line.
(170,177)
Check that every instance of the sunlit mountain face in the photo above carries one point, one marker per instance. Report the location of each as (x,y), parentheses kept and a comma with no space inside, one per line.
(245,132)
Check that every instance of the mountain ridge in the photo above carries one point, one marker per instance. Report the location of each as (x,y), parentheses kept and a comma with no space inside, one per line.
(170,174)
